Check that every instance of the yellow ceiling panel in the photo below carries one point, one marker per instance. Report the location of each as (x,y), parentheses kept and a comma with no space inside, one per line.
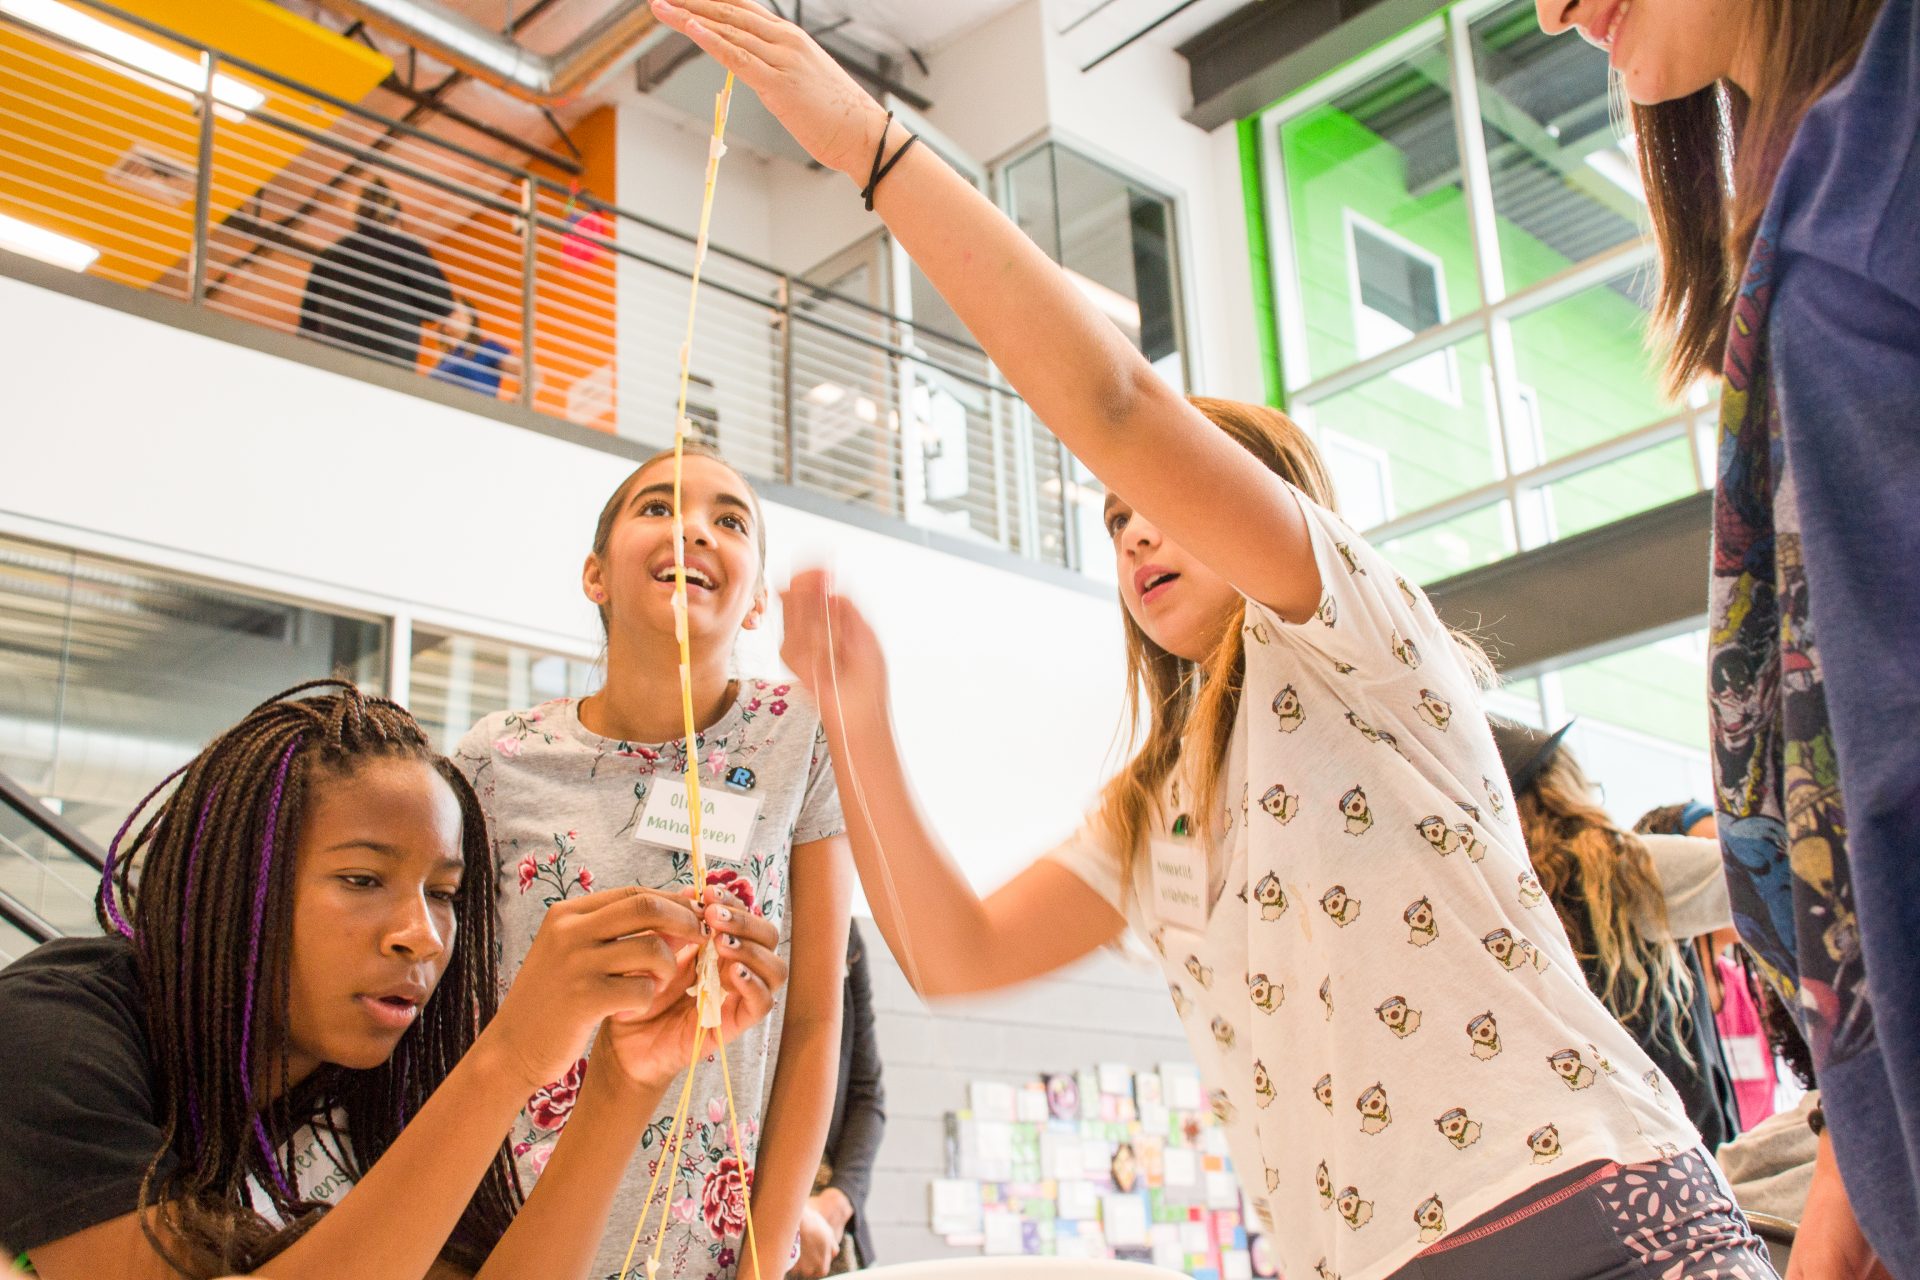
(106,155)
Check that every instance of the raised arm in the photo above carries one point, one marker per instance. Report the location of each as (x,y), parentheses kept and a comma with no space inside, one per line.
(1079,373)
(947,939)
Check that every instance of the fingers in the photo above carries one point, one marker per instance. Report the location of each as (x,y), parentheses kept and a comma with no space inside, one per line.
(720,35)
(615,913)
(643,957)
(751,989)
(733,15)
(727,915)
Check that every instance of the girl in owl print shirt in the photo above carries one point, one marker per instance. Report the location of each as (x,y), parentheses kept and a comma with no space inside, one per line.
(1313,834)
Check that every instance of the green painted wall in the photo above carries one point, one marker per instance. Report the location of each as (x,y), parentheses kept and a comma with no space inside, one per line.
(1585,359)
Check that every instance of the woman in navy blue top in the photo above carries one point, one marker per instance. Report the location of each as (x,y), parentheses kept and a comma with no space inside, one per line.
(1801,283)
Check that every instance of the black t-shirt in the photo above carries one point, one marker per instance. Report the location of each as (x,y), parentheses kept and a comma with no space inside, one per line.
(79,1120)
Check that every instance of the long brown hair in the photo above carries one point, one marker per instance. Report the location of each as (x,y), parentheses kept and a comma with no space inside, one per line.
(1708,163)
(209,918)
(1604,886)
(1197,701)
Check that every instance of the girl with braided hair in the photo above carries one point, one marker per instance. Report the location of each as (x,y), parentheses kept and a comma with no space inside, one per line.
(288,1051)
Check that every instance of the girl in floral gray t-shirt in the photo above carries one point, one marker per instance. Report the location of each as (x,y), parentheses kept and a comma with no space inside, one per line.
(581,795)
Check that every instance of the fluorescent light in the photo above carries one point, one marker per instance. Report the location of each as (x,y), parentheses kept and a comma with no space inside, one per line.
(1122,310)
(1620,165)
(124,46)
(827,394)
(47,246)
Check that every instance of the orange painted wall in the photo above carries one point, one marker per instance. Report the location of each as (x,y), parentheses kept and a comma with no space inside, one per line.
(574,299)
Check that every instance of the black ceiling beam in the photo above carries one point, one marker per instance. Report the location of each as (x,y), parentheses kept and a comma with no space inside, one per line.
(1595,593)
(532,151)
(1270,48)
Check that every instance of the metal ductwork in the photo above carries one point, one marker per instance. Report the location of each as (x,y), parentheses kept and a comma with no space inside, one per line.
(498,60)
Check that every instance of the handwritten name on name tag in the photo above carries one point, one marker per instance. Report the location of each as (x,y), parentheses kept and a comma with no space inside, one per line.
(1179,884)
(726,821)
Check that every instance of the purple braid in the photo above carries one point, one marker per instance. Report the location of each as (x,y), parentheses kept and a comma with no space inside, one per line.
(259,917)
(113,852)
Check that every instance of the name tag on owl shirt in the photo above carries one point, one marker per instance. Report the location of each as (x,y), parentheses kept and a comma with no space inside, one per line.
(1179,883)
(726,821)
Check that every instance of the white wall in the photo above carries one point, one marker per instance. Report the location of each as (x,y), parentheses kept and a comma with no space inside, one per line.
(250,468)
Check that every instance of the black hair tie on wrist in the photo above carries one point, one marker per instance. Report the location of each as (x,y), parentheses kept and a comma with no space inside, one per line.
(881,170)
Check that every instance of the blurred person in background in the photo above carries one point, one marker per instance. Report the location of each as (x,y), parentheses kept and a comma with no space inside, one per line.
(376,286)
(468,357)
(834,1235)
(1628,917)
(1735,997)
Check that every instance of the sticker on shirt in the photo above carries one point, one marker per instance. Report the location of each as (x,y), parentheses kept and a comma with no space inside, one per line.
(1179,884)
(726,821)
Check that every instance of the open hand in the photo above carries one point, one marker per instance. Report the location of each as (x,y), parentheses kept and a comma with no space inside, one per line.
(836,120)
(654,1043)
(827,642)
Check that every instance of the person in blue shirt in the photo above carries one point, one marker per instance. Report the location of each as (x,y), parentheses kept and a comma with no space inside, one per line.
(470,358)
(1800,281)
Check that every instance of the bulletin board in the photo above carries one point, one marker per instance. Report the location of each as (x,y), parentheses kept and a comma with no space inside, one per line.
(1106,1163)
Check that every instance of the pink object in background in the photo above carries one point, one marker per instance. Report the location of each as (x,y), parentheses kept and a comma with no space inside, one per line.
(1749,1056)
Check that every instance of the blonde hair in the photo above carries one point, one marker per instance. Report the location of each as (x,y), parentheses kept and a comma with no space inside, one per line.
(1584,859)
(1197,700)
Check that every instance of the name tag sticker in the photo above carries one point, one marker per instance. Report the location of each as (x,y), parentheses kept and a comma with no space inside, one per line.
(726,820)
(1179,884)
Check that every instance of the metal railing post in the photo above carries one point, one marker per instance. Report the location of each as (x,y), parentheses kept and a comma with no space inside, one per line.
(203,183)
(789,464)
(530,231)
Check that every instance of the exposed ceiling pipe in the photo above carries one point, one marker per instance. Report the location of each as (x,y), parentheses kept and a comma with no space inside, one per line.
(499,60)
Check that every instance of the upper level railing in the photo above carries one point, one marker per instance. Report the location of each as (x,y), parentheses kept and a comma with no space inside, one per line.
(142,156)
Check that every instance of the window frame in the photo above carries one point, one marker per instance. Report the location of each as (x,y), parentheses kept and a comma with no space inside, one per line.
(1349,223)
(1450,35)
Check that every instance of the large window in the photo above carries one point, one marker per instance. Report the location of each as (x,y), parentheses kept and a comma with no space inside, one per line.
(456,680)
(113,675)
(1117,240)
(1462,278)
(1639,722)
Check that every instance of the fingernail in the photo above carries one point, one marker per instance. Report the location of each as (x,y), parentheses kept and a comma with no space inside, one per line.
(729,941)
(706,928)
(725,914)
(742,971)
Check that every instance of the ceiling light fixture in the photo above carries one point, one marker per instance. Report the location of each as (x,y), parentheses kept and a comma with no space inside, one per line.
(132,50)
(47,246)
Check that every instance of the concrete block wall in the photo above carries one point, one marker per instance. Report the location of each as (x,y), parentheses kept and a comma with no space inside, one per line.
(1108,1008)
